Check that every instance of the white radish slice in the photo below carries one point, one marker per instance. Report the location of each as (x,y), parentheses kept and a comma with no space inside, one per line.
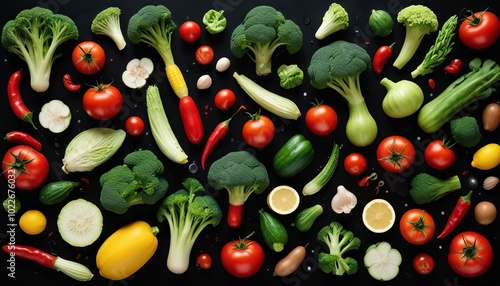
(382,261)
(80,223)
(55,116)
(137,72)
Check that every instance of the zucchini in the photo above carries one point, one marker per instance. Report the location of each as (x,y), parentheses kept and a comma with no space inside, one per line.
(273,231)
(306,217)
(322,178)
(56,192)
(293,157)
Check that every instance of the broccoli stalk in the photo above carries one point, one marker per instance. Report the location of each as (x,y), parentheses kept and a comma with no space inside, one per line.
(262,31)
(107,22)
(188,211)
(241,174)
(419,21)
(338,66)
(335,19)
(34,35)
(425,188)
(338,240)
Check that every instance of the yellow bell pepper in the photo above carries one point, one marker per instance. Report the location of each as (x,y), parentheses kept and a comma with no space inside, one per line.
(127,250)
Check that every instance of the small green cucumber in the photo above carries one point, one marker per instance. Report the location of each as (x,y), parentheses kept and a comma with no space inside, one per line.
(273,231)
(56,192)
(293,157)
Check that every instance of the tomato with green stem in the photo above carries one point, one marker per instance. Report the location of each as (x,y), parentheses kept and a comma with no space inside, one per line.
(102,101)
(321,119)
(423,263)
(417,226)
(258,131)
(470,254)
(243,257)
(88,57)
(439,155)
(24,167)
(479,30)
(395,153)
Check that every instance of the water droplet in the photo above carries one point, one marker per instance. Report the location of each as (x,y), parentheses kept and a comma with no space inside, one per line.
(193,168)
(79,121)
(305,94)
(442,212)
(440,247)
(307,21)
(473,183)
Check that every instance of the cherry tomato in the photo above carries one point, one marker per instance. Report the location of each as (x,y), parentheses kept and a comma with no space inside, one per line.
(258,131)
(423,263)
(417,226)
(470,254)
(103,101)
(242,258)
(204,55)
(134,125)
(224,99)
(395,153)
(439,155)
(355,164)
(479,30)
(24,168)
(321,119)
(190,31)
(204,261)
(88,57)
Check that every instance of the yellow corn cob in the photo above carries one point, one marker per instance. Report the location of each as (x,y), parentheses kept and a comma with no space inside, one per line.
(176,80)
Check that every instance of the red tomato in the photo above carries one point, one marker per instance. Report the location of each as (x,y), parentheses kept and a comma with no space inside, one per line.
(395,153)
(321,119)
(355,164)
(258,132)
(242,258)
(88,57)
(190,31)
(204,261)
(417,226)
(479,30)
(224,99)
(204,55)
(439,155)
(24,168)
(102,102)
(423,263)
(134,125)
(470,254)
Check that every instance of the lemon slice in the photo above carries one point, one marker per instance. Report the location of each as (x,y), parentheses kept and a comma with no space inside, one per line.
(283,200)
(378,215)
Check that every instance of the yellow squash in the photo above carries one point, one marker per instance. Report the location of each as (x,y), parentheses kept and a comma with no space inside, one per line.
(127,250)
(487,157)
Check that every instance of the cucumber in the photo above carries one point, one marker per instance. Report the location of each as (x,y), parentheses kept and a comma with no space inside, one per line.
(380,23)
(273,231)
(56,192)
(293,157)
(306,217)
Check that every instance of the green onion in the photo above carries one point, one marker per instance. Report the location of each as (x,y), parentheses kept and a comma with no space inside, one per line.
(322,178)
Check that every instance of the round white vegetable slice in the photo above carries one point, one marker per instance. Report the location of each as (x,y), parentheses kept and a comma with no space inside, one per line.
(382,261)
(137,72)
(80,223)
(55,116)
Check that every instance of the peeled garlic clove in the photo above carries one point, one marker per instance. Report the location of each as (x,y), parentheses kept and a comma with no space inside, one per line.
(222,64)
(343,201)
(490,183)
(204,82)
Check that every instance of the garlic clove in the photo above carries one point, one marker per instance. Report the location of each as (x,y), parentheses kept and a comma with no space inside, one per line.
(343,201)
(204,82)
(222,64)
(490,183)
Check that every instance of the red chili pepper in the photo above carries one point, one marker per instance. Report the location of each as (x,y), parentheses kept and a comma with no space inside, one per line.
(365,181)
(191,119)
(30,253)
(217,134)
(381,57)
(24,138)
(16,102)
(457,215)
(454,66)
(69,84)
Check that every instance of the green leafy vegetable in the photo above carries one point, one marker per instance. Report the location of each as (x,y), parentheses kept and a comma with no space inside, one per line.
(465,131)
(107,22)
(335,19)
(290,76)
(425,188)
(215,22)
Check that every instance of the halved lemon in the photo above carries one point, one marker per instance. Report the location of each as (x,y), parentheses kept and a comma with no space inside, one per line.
(378,215)
(283,200)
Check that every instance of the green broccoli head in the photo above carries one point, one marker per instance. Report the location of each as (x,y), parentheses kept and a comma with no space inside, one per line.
(262,31)
(35,35)
(139,180)
(107,22)
(338,241)
(335,19)
(290,76)
(425,188)
(465,131)
(419,21)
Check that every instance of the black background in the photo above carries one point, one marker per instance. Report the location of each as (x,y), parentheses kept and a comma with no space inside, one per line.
(308,15)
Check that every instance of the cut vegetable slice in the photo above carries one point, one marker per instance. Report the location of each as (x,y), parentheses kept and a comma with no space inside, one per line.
(55,116)
(378,215)
(137,72)
(382,261)
(80,223)
(283,199)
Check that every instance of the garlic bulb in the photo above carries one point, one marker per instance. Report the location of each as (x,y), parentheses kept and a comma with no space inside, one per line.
(343,201)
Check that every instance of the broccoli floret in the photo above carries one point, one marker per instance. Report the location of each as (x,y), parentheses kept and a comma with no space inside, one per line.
(241,174)
(262,31)
(465,131)
(335,19)
(188,211)
(107,22)
(290,76)
(338,240)
(139,180)
(425,188)
(35,35)
(419,21)
(338,65)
